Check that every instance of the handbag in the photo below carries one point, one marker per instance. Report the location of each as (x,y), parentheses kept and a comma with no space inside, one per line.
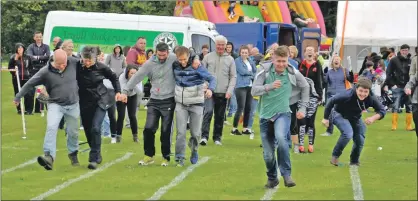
(346,82)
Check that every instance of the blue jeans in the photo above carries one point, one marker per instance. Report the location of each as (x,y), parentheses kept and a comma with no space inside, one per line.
(274,136)
(350,129)
(106,126)
(233,105)
(400,97)
(254,106)
(55,113)
(330,129)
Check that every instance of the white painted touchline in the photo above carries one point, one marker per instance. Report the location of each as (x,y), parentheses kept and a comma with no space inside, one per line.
(355,180)
(268,195)
(19,166)
(16,148)
(157,195)
(58,188)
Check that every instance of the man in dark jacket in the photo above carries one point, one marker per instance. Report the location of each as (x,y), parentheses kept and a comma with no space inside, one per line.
(397,76)
(23,62)
(348,108)
(39,53)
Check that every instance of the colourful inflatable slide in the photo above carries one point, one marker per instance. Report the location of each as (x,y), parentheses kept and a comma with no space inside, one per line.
(266,11)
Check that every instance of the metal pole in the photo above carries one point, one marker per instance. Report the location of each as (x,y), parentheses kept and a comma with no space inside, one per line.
(22,109)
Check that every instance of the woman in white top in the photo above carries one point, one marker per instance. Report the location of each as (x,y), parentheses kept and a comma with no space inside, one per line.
(246,71)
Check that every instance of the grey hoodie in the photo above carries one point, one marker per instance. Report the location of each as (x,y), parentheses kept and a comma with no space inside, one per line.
(223,68)
(116,63)
(413,85)
(160,74)
(300,87)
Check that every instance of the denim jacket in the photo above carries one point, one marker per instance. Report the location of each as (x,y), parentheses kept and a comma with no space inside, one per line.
(244,76)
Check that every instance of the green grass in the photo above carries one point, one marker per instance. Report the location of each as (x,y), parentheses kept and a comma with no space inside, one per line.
(234,171)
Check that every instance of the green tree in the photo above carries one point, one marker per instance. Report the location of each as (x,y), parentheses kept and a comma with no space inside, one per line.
(21,19)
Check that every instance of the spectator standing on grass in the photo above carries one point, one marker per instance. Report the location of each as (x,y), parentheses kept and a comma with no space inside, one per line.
(205,51)
(246,70)
(274,83)
(255,55)
(335,84)
(131,106)
(109,121)
(39,53)
(412,87)
(23,62)
(116,61)
(136,56)
(59,78)
(190,94)
(414,66)
(312,70)
(94,99)
(348,109)
(397,76)
(159,70)
(221,65)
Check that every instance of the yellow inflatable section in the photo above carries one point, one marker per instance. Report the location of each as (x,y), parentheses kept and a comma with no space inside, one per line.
(238,11)
(199,11)
(273,10)
(303,8)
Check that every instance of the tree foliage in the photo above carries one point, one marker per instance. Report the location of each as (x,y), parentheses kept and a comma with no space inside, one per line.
(21,19)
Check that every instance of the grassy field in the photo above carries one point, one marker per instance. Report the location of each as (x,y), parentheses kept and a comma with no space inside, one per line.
(234,171)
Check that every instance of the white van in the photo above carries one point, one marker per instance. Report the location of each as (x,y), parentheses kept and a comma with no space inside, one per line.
(107,29)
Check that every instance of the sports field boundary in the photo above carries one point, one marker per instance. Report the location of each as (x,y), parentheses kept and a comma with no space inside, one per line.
(355,180)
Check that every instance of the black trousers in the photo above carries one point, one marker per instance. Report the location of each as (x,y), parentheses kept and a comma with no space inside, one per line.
(92,117)
(415,116)
(132,106)
(111,113)
(244,100)
(157,109)
(293,119)
(216,104)
(28,97)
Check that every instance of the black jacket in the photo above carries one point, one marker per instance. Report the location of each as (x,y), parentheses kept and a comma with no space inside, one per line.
(397,72)
(24,66)
(42,52)
(314,73)
(92,91)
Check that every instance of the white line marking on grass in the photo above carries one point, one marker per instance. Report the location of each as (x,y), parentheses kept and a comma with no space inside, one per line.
(58,188)
(355,180)
(157,195)
(16,148)
(30,162)
(268,195)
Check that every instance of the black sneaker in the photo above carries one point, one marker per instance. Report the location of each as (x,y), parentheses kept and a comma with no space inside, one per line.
(28,113)
(118,139)
(92,166)
(74,159)
(272,183)
(99,159)
(235,132)
(135,137)
(46,161)
(188,126)
(288,182)
(203,141)
(246,132)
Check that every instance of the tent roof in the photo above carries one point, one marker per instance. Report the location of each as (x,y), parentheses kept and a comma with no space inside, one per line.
(378,23)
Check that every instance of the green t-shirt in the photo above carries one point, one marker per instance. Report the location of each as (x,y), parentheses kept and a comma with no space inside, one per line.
(276,100)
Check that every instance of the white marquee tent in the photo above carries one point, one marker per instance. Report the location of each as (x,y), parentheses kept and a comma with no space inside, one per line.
(374,24)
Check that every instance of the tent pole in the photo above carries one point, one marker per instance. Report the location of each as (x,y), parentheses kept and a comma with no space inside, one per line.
(342,39)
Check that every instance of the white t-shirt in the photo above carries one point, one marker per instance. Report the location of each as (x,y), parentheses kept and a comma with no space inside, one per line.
(247,63)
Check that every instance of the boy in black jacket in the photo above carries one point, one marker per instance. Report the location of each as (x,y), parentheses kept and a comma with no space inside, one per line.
(348,108)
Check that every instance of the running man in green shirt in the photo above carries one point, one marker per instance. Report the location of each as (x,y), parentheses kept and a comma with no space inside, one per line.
(276,82)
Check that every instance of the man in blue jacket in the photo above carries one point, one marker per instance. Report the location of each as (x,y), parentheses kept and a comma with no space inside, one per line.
(348,109)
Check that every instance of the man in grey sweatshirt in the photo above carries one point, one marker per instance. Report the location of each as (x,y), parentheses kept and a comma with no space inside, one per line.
(59,78)
(221,65)
(159,70)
